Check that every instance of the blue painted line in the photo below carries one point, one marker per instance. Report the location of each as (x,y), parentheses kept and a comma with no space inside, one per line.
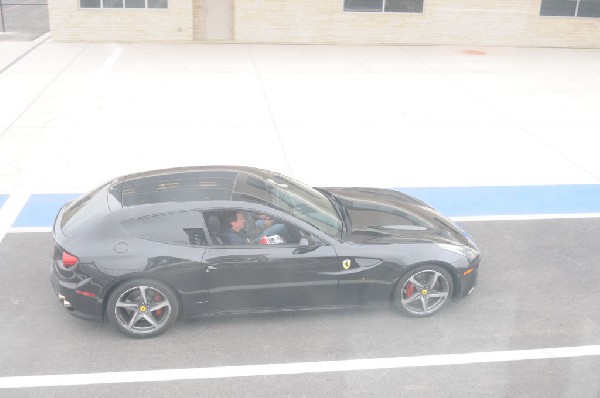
(40,209)
(3,199)
(519,200)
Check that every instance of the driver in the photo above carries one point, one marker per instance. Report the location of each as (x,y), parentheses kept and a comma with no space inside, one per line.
(232,234)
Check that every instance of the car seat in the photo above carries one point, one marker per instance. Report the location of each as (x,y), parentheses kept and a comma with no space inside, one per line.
(214,228)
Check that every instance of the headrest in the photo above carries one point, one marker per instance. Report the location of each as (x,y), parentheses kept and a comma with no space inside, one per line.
(214,224)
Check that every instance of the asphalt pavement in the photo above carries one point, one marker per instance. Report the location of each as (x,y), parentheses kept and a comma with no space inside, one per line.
(24,20)
(538,283)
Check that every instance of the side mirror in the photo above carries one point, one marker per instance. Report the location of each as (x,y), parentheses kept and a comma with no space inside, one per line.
(306,246)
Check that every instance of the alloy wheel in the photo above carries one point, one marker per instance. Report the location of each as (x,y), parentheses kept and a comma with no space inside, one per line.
(142,310)
(424,292)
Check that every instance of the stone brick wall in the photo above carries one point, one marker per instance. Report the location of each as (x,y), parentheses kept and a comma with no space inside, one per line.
(69,23)
(465,22)
(461,22)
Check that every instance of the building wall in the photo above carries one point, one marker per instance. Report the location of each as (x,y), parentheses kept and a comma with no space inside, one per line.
(198,21)
(466,22)
(69,23)
(463,22)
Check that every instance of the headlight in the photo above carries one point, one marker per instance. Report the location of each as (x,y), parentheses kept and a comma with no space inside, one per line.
(466,251)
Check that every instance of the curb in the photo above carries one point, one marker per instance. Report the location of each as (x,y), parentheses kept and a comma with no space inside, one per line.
(34,44)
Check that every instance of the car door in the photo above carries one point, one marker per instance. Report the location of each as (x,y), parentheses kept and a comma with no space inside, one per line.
(271,275)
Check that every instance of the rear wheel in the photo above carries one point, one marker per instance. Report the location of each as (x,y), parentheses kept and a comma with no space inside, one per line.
(423,291)
(142,308)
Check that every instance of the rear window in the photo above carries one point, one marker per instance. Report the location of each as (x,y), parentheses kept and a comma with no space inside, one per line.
(84,208)
(178,187)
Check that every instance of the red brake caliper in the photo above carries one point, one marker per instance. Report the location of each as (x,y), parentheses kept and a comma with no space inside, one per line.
(409,290)
(157,299)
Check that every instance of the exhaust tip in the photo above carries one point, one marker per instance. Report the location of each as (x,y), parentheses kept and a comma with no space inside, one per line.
(62,299)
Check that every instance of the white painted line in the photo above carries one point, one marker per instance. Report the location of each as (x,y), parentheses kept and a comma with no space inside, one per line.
(525,217)
(11,209)
(19,197)
(15,203)
(294,368)
(108,64)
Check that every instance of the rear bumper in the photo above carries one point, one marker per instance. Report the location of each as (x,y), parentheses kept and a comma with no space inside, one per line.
(83,307)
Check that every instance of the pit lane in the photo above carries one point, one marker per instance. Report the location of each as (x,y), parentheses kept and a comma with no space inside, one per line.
(537,287)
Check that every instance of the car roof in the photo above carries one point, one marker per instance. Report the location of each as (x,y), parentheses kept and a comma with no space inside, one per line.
(192,169)
(191,184)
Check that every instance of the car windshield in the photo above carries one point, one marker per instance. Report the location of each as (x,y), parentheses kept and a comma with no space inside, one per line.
(304,202)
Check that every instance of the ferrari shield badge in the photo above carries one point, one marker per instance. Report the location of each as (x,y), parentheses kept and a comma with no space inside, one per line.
(347,263)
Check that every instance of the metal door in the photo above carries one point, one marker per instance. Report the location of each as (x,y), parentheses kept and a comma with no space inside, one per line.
(270,276)
(218,19)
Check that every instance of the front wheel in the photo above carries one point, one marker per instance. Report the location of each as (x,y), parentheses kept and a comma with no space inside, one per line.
(423,291)
(142,308)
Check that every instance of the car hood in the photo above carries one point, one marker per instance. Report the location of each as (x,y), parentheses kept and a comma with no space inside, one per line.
(388,216)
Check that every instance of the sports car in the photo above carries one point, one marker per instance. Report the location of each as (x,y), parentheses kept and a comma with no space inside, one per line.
(145,249)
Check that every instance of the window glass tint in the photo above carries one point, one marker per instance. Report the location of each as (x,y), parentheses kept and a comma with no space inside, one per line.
(81,206)
(404,5)
(113,3)
(135,3)
(119,4)
(184,228)
(157,3)
(246,227)
(558,7)
(178,187)
(589,8)
(250,188)
(384,5)
(89,4)
(306,203)
(363,5)
(266,229)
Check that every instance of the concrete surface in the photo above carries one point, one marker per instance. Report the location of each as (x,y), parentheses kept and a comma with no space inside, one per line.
(74,115)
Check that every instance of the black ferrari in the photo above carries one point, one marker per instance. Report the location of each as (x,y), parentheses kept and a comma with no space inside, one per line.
(145,249)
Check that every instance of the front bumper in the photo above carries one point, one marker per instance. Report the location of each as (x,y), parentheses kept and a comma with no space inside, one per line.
(468,280)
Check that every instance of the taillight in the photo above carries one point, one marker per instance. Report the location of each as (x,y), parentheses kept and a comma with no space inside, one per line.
(69,260)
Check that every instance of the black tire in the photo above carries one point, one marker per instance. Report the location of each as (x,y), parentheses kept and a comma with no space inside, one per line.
(423,291)
(138,317)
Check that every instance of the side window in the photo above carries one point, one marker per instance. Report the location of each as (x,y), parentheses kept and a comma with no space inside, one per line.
(183,228)
(243,227)
(266,229)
